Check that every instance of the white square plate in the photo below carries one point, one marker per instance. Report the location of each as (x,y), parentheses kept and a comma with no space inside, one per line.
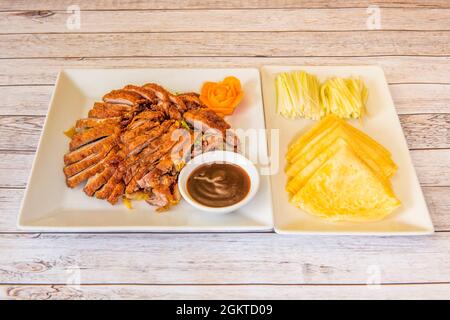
(49,205)
(382,124)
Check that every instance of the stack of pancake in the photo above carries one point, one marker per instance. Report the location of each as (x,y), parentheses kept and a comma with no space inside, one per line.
(337,172)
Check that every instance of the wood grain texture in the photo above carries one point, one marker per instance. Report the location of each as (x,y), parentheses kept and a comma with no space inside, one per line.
(408,98)
(252,44)
(398,69)
(432,167)
(213,4)
(425,131)
(437,199)
(222,259)
(134,292)
(422,131)
(213,20)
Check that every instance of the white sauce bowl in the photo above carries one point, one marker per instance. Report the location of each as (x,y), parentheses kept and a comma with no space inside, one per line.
(219,157)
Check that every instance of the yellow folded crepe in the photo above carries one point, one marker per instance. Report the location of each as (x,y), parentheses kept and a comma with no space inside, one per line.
(326,126)
(345,188)
(300,171)
(336,145)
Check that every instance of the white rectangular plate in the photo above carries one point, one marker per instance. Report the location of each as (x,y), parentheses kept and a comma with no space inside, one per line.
(382,124)
(49,205)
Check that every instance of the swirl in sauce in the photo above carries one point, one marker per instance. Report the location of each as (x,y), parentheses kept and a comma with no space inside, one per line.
(218,184)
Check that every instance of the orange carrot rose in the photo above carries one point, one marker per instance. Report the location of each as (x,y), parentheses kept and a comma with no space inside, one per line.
(222,97)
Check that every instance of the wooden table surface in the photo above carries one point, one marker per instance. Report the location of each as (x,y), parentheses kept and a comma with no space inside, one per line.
(413,47)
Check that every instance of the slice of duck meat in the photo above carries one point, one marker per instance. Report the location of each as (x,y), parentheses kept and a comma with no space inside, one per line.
(116,193)
(147,115)
(145,127)
(161,93)
(191,100)
(153,179)
(80,139)
(122,97)
(179,103)
(209,122)
(108,110)
(164,196)
(114,106)
(158,199)
(161,133)
(107,189)
(143,92)
(94,122)
(157,153)
(133,185)
(89,149)
(98,180)
(85,163)
(204,119)
(137,144)
(166,164)
(75,180)
(151,115)
(178,155)
(172,112)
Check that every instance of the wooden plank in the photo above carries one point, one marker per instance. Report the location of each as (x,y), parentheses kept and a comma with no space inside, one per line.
(421,98)
(408,98)
(136,292)
(422,131)
(425,131)
(432,166)
(437,199)
(222,259)
(20,132)
(25,100)
(398,69)
(223,20)
(15,168)
(436,43)
(438,202)
(7,5)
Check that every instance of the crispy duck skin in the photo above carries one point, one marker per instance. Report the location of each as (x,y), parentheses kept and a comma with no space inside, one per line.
(209,122)
(122,97)
(94,122)
(105,191)
(98,180)
(102,110)
(116,193)
(191,100)
(161,93)
(179,103)
(89,149)
(75,180)
(143,92)
(147,115)
(131,134)
(132,186)
(138,143)
(82,138)
(163,132)
(81,165)
(156,152)
(147,162)
(121,107)
(205,119)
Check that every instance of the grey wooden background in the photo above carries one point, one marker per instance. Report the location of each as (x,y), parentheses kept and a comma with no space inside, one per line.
(413,47)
